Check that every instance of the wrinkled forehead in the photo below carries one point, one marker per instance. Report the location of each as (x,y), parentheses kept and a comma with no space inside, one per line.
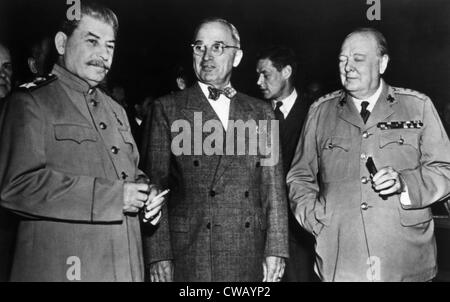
(359,43)
(214,32)
(4,54)
(96,26)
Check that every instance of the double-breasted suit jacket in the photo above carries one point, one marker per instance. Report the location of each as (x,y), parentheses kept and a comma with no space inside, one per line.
(65,153)
(360,235)
(225,212)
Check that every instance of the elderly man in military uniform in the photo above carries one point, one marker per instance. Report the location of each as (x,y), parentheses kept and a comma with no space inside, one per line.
(68,166)
(371,160)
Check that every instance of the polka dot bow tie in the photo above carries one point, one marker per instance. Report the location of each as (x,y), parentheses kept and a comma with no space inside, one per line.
(214,93)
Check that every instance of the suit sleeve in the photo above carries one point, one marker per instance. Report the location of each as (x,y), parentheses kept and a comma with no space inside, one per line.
(302,182)
(156,154)
(31,188)
(430,180)
(273,190)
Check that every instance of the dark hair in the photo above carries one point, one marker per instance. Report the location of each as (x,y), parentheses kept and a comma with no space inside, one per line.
(233,29)
(377,35)
(94,10)
(280,56)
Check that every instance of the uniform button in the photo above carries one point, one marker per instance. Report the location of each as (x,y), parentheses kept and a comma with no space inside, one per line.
(114,150)
(365,134)
(364,206)
(93,103)
(363,156)
(91,91)
(208,226)
(247,224)
(246,194)
(258,164)
(401,141)
(364,180)
(330,146)
(212,193)
(124,175)
(196,163)
(103,126)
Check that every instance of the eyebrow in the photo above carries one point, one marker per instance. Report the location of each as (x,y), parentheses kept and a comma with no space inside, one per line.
(98,37)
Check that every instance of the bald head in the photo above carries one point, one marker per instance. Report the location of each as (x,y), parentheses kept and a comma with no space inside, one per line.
(5,71)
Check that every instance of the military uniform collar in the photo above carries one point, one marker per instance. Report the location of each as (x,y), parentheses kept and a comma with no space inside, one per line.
(72,80)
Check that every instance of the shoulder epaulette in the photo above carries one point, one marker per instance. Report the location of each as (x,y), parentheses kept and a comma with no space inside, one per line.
(330,96)
(419,95)
(38,82)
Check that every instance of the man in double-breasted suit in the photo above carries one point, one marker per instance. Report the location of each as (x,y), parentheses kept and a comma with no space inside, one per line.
(227,214)
(372,221)
(277,68)
(68,166)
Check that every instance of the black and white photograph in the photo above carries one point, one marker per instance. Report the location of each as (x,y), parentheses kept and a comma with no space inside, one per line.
(214,142)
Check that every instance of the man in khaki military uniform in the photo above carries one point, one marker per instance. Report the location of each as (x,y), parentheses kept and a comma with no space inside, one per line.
(367,228)
(68,166)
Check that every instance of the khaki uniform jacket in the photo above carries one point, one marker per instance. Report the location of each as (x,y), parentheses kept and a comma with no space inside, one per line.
(360,236)
(225,212)
(65,152)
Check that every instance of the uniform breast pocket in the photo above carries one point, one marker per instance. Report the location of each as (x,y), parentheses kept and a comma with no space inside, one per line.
(335,159)
(127,138)
(400,149)
(74,148)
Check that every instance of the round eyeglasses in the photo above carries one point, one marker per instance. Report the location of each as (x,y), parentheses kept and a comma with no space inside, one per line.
(216,49)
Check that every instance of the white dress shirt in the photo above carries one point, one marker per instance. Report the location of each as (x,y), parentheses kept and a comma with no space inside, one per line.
(221,106)
(288,103)
(371,99)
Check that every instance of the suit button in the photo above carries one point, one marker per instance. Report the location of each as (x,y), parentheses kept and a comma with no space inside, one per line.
(363,156)
(401,141)
(365,134)
(364,206)
(208,226)
(114,150)
(212,193)
(364,180)
(246,194)
(102,126)
(93,103)
(247,224)
(196,163)
(124,175)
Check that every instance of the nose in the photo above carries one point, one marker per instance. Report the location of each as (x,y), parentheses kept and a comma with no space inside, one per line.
(348,66)
(207,55)
(260,80)
(105,53)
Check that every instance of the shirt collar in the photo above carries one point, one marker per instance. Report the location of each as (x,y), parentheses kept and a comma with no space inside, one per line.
(288,103)
(205,90)
(70,79)
(371,99)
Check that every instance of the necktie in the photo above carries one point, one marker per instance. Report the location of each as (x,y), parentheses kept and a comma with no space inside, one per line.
(278,114)
(215,93)
(364,112)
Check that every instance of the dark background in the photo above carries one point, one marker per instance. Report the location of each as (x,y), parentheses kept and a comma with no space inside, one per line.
(154,37)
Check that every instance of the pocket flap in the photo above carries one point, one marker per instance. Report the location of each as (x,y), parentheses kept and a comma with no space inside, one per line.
(400,138)
(333,142)
(73,132)
(126,136)
(414,216)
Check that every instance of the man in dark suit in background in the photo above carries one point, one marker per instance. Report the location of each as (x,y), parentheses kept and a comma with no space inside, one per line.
(227,213)
(276,68)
